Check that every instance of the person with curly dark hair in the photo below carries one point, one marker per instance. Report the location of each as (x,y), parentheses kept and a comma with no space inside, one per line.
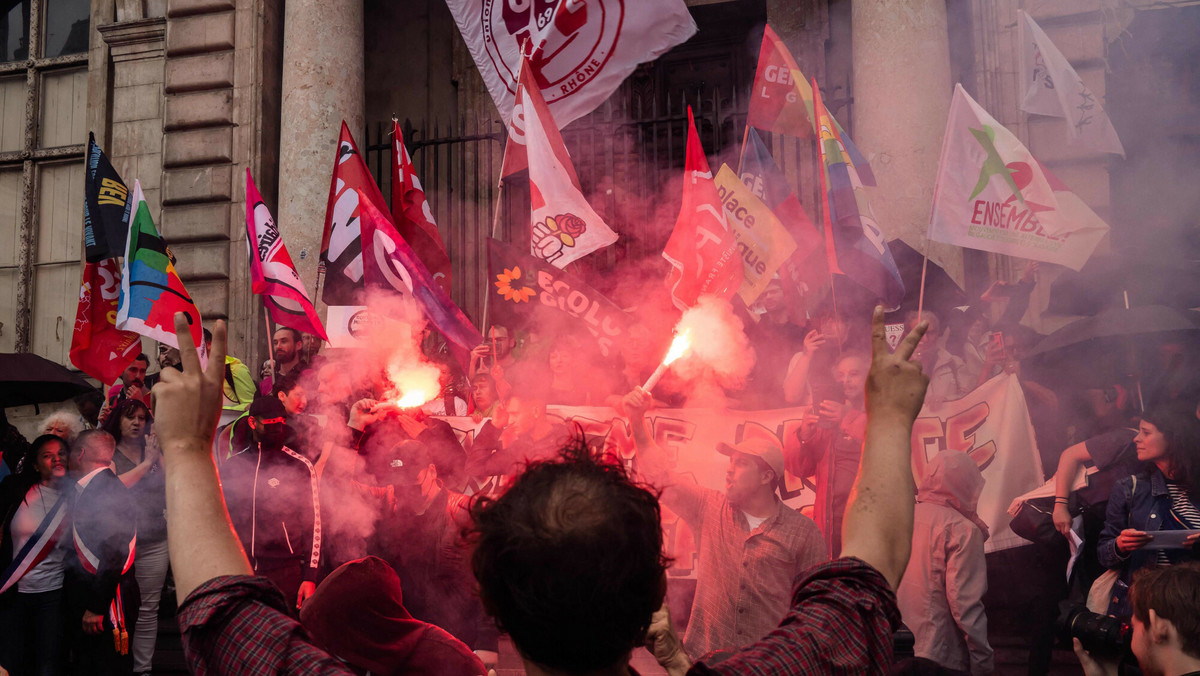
(545,548)
(1163,497)
(138,463)
(36,504)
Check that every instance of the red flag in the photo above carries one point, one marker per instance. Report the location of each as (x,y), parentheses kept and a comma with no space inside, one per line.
(413,217)
(341,243)
(529,103)
(702,250)
(272,274)
(98,347)
(390,263)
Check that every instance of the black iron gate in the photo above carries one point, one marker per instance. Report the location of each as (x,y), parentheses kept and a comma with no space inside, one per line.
(628,154)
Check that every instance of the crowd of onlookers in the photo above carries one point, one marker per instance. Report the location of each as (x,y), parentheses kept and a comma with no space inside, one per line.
(400,547)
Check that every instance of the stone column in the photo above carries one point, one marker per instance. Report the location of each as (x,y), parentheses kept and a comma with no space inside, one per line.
(902,93)
(322,85)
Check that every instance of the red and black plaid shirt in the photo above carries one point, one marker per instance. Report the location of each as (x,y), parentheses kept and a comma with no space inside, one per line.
(239,624)
(841,622)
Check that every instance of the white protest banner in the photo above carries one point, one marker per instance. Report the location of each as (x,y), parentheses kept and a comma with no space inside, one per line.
(991,424)
(689,438)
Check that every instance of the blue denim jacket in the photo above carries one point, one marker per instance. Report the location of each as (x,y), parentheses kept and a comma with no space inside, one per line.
(1139,501)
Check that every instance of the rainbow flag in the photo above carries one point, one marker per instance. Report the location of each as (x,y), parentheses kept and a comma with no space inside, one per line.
(151,291)
(782,101)
(855,244)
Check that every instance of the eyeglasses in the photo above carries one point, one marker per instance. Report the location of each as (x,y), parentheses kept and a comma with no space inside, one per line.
(271,421)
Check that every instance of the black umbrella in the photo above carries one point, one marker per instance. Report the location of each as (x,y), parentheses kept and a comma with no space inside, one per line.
(1105,280)
(1119,322)
(26,378)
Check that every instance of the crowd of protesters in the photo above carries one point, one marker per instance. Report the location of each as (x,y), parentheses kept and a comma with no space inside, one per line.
(398,546)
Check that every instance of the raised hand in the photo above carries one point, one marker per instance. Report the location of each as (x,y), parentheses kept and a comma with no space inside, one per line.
(895,384)
(187,403)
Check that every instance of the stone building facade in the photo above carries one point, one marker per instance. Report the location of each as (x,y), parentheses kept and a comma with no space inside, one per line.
(185,95)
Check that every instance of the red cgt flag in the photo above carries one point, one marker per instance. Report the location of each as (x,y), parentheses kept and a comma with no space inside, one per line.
(98,347)
(341,242)
(272,274)
(413,217)
(702,250)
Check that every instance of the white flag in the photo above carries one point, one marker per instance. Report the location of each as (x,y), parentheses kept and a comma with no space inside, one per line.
(993,195)
(582,50)
(565,227)
(1055,89)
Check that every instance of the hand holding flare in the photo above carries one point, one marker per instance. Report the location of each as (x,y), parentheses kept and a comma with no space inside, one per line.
(679,347)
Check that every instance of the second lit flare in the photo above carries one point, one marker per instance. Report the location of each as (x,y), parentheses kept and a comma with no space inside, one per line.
(679,347)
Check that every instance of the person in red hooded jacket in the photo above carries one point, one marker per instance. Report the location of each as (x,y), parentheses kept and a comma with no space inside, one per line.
(358,616)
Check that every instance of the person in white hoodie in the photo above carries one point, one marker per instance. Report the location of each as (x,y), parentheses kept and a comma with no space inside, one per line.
(941,594)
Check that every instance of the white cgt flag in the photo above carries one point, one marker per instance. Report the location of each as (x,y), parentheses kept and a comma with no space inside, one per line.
(993,195)
(581,49)
(1055,89)
(565,227)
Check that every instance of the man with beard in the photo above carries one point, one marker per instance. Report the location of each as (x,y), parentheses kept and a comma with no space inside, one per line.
(132,385)
(168,358)
(287,348)
(484,359)
(271,492)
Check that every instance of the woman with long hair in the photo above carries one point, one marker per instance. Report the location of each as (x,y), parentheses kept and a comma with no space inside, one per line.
(138,464)
(1163,497)
(36,502)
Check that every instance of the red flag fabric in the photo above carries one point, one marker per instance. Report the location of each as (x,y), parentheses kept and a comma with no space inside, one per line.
(272,274)
(390,263)
(98,347)
(412,215)
(702,250)
(529,103)
(341,244)
(781,100)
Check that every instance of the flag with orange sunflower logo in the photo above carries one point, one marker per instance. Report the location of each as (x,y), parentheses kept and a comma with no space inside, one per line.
(529,292)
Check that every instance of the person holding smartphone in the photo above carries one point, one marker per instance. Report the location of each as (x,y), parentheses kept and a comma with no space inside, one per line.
(831,438)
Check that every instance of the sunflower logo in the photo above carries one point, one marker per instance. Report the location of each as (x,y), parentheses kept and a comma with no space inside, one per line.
(510,285)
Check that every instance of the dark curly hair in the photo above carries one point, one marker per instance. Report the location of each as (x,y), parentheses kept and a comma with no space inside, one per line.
(570,560)
(1179,427)
(125,409)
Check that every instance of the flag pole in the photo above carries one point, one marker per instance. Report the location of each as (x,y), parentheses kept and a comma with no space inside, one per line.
(487,285)
(742,154)
(270,336)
